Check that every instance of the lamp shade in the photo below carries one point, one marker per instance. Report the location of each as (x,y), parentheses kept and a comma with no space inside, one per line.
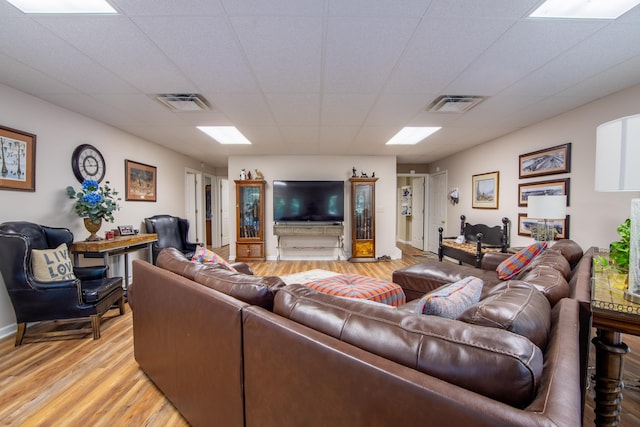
(617,154)
(547,207)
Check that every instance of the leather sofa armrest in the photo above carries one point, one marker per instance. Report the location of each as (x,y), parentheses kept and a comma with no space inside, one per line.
(242,267)
(491,260)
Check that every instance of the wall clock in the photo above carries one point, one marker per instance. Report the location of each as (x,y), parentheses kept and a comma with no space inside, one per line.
(88,163)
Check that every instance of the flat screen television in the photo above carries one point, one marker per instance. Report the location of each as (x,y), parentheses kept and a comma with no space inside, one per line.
(308,201)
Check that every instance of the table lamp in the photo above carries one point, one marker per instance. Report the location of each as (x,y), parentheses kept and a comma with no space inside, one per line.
(617,156)
(546,207)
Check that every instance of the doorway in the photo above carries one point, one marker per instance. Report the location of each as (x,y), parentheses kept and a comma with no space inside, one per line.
(437,208)
(193,195)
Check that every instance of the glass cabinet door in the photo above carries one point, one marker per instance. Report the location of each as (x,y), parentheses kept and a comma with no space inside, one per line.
(249,212)
(364,206)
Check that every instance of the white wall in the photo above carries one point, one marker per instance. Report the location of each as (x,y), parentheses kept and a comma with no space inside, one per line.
(323,168)
(594,216)
(58,132)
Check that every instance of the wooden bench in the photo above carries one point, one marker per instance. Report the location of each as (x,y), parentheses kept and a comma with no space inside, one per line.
(478,239)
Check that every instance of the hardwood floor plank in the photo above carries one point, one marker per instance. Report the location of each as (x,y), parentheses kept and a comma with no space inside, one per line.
(82,382)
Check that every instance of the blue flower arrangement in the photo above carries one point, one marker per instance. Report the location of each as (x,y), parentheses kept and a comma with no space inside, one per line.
(95,202)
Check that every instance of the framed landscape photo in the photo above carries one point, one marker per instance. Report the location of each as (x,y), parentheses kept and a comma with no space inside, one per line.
(140,181)
(558,187)
(486,190)
(17,160)
(526,224)
(546,162)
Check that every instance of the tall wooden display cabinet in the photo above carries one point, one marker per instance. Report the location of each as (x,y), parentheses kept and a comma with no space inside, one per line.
(363,220)
(250,220)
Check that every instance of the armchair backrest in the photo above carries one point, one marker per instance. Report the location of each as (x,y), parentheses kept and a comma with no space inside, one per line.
(171,230)
(17,240)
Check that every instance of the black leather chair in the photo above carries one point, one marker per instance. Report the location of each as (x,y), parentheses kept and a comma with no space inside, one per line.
(173,232)
(90,294)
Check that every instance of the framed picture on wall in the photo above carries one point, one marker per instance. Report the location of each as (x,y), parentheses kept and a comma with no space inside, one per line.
(558,187)
(525,225)
(546,162)
(17,160)
(486,190)
(140,181)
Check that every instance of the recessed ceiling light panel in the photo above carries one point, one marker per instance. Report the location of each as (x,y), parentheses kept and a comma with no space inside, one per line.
(411,135)
(225,134)
(584,9)
(63,6)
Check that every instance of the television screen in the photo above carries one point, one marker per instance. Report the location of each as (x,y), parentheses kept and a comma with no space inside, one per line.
(308,201)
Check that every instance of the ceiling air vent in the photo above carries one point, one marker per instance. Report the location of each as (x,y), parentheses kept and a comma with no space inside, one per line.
(454,103)
(181,103)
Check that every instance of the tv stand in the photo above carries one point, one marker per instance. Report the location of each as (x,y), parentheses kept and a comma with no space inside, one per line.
(304,229)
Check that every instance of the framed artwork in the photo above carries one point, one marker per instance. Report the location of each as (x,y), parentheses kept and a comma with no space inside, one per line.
(17,160)
(558,187)
(126,230)
(546,162)
(486,190)
(525,224)
(406,200)
(140,181)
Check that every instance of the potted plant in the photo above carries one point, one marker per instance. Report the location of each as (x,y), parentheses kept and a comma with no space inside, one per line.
(618,259)
(94,203)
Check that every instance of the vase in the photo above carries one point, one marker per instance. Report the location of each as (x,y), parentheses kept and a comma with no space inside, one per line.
(93,229)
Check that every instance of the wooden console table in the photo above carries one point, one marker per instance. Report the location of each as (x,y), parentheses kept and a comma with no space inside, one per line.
(613,315)
(302,230)
(120,245)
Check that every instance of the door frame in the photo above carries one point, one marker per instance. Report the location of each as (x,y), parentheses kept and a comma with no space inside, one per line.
(425,216)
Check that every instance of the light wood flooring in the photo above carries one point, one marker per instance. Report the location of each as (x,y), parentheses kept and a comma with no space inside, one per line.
(82,382)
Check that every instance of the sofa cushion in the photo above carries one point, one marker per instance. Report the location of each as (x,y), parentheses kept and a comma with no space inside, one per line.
(451,300)
(511,266)
(51,265)
(570,250)
(549,281)
(554,259)
(203,255)
(469,356)
(256,290)
(514,306)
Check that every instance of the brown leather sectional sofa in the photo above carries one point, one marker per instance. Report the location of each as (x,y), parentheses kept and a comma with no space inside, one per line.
(275,355)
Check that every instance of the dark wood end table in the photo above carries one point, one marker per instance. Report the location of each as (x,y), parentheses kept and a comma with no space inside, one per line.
(613,315)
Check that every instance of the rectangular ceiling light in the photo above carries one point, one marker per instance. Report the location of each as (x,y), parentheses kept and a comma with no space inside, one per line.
(584,9)
(63,6)
(225,134)
(412,135)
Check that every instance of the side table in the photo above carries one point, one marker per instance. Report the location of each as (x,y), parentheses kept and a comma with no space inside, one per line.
(121,245)
(613,315)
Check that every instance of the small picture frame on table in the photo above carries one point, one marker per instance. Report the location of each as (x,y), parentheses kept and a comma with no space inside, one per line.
(126,230)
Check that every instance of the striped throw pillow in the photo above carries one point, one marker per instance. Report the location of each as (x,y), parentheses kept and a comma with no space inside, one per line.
(451,300)
(516,262)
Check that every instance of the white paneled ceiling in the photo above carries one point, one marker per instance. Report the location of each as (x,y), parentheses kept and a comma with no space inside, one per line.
(318,76)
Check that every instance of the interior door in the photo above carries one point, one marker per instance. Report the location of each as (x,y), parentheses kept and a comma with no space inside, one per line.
(417,213)
(191,202)
(437,208)
(224,212)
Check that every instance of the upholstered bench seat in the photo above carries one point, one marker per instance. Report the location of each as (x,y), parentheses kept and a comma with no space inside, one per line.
(363,287)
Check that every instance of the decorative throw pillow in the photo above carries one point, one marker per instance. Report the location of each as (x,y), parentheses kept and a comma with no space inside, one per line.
(516,262)
(52,265)
(451,300)
(204,255)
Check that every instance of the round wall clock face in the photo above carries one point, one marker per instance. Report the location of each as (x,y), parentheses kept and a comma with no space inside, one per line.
(88,163)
